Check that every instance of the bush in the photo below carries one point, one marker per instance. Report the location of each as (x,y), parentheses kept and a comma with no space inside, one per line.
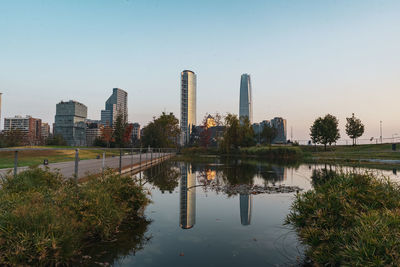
(46,220)
(350,219)
(274,152)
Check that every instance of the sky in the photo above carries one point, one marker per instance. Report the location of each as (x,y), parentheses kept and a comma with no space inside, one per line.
(305,58)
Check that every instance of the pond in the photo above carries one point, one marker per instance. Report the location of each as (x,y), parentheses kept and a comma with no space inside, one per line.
(218,212)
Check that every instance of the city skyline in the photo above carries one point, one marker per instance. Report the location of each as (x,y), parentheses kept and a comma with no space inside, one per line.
(314,57)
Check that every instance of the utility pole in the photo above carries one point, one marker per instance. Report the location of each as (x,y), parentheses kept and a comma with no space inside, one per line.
(381,130)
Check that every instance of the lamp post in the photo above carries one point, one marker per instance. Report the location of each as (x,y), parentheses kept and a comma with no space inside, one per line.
(381,130)
(393,137)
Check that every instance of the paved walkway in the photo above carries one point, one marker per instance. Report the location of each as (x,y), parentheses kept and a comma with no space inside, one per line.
(94,166)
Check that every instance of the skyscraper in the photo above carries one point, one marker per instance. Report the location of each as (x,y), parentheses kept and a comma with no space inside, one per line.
(246,102)
(116,104)
(280,125)
(70,122)
(188,104)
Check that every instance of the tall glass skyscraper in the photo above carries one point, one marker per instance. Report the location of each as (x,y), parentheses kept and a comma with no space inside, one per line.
(188,104)
(116,104)
(246,102)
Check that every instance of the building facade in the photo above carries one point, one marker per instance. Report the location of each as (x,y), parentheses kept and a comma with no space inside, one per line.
(280,125)
(29,127)
(116,104)
(93,130)
(246,102)
(188,104)
(136,131)
(70,122)
(45,130)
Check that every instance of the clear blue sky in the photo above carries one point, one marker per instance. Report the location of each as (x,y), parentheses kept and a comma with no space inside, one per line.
(306,58)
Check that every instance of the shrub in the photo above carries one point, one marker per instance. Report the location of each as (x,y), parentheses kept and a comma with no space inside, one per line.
(46,220)
(350,219)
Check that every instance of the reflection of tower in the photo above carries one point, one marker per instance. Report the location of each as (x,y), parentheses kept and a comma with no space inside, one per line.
(187,197)
(246,204)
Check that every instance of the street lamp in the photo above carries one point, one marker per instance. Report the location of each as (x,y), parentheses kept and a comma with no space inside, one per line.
(393,136)
(381,130)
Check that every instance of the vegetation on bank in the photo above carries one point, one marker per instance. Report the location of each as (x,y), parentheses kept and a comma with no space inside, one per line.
(349,219)
(47,220)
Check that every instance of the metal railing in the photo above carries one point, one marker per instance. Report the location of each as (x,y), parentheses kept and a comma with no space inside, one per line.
(145,154)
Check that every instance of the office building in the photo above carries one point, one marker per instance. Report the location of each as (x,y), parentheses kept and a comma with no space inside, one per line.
(136,131)
(245,103)
(188,104)
(116,104)
(280,125)
(94,130)
(45,130)
(30,128)
(70,122)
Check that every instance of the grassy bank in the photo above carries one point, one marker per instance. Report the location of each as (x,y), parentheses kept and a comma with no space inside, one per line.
(45,220)
(36,157)
(349,219)
(359,152)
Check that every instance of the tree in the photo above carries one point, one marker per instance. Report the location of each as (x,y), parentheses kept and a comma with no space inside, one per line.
(354,128)
(56,140)
(162,132)
(268,134)
(119,130)
(237,133)
(325,130)
(107,135)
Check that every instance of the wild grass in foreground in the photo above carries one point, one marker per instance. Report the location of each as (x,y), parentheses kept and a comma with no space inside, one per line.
(46,220)
(349,220)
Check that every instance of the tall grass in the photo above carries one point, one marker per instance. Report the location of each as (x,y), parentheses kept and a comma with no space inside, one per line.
(273,152)
(350,219)
(46,220)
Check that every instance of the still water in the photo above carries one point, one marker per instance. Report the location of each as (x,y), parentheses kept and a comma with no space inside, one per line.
(194,220)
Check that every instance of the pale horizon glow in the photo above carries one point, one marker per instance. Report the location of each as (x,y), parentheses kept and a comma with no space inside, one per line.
(305,58)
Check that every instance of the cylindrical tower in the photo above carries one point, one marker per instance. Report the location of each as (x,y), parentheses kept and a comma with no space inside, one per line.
(188,104)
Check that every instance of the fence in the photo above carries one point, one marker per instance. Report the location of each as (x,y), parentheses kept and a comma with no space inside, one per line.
(68,161)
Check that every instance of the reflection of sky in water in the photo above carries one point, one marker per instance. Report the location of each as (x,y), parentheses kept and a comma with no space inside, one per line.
(225,230)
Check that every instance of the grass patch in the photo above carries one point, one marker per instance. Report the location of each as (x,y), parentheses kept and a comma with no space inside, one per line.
(47,220)
(349,219)
(273,152)
(36,157)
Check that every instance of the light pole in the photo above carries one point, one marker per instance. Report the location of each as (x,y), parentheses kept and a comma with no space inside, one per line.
(381,130)
(393,137)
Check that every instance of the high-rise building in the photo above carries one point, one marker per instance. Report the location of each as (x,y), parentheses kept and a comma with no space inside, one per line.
(246,102)
(29,127)
(136,131)
(188,104)
(45,130)
(187,197)
(93,131)
(280,125)
(116,104)
(70,122)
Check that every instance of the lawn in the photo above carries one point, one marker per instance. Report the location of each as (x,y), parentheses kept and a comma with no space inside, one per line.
(359,152)
(36,157)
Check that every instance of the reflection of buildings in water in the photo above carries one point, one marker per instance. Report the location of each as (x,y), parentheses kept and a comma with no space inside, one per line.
(280,173)
(187,197)
(246,205)
(211,174)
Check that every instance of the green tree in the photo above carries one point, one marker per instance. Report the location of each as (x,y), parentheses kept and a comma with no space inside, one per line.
(354,128)
(268,134)
(238,133)
(246,133)
(119,130)
(162,132)
(325,130)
